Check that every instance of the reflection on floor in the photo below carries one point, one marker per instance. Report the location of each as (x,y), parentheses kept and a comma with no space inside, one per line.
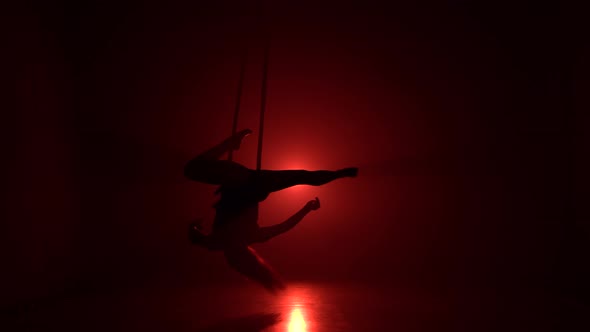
(297,321)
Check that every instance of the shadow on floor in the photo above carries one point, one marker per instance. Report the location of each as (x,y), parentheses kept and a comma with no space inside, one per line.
(250,323)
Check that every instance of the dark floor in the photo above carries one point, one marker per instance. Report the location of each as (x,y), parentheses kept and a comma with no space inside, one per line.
(303,307)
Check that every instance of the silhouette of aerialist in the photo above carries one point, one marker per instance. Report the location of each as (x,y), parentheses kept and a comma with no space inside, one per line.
(235,225)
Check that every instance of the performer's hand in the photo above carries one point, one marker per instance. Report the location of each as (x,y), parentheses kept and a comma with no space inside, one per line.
(198,224)
(313,204)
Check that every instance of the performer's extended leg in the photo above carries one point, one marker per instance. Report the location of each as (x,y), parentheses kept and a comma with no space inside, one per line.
(270,181)
(207,167)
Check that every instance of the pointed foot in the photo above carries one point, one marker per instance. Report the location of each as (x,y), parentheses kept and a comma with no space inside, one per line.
(236,140)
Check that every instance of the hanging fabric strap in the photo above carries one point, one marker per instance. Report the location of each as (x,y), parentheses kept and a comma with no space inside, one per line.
(262,104)
(238,98)
(263,93)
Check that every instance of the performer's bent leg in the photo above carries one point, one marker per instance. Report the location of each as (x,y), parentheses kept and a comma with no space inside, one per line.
(207,167)
(217,172)
(230,143)
(271,181)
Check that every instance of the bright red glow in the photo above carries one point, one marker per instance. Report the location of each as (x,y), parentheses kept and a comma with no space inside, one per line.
(297,322)
(296,299)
